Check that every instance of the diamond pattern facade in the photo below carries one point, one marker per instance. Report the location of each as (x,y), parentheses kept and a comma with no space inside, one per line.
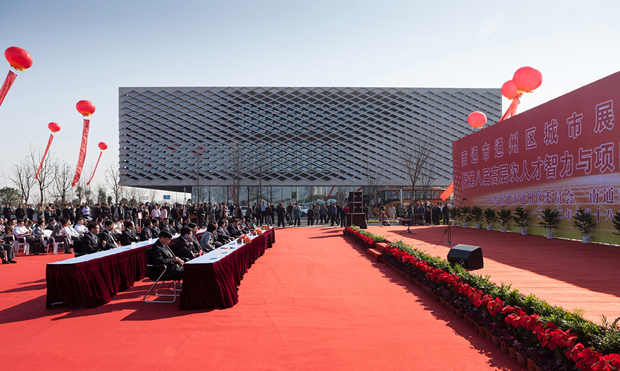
(172,138)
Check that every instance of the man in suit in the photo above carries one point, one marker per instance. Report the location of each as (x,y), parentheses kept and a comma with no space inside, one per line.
(107,238)
(166,227)
(163,255)
(155,231)
(129,234)
(30,212)
(222,234)
(90,242)
(184,247)
(233,229)
(145,233)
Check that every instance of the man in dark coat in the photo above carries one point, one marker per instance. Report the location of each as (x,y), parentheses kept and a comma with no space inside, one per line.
(281,212)
(183,247)
(107,237)
(90,243)
(162,255)
(129,234)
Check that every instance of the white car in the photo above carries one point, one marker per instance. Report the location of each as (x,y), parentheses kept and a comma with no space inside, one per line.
(304,210)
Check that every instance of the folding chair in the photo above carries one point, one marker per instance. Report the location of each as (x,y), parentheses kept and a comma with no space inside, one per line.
(56,241)
(21,242)
(156,272)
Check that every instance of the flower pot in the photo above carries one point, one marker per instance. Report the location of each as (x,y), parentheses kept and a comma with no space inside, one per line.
(496,340)
(504,346)
(524,231)
(512,352)
(487,333)
(503,229)
(520,358)
(458,313)
(454,224)
(443,302)
(585,239)
(466,318)
(531,365)
(482,331)
(550,235)
(489,227)
(477,225)
(452,308)
(472,323)
(538,368)
(464,225)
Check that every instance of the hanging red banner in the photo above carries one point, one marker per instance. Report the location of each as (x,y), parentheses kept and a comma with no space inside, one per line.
(10,79)
(82,156)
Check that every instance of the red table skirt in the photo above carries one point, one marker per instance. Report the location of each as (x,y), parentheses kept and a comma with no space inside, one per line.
(94,283)
(214,285)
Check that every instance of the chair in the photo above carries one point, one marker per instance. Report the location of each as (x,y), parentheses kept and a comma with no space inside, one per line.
(77,248)
(21,242)
(155,273)
(56,241)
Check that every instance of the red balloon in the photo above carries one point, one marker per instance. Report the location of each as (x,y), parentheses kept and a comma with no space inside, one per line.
(527,79)
(18,58)
(85,107)
(103,146)
(54,127)
(477,119)
(509,90)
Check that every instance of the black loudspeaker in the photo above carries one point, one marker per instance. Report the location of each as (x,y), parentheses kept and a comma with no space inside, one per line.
(356,208)
(470,257)
(356,219)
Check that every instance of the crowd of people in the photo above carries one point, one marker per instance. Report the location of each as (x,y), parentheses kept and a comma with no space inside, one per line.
(419,212)
(102,227)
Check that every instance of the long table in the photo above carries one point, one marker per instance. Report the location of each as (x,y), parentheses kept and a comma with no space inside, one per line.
(212,280)
(92,280)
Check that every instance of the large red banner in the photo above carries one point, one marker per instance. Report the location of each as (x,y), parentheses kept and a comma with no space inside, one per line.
(561,155)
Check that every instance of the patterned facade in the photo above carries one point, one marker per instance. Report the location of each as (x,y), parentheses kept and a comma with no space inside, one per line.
(177,137)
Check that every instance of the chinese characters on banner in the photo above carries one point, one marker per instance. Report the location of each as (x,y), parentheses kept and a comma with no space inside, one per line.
(564,154)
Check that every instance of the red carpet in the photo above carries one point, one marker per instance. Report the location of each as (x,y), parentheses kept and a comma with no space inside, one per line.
(314,301)
(566,273)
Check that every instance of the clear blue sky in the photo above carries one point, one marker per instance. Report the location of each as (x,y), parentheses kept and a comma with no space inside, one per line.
(88,49)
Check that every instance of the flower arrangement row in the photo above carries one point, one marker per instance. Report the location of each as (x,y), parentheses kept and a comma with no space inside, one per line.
(554,338)
(362,239)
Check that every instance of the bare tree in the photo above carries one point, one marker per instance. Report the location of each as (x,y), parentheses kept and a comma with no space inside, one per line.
(102,196)
(44,180)
(341,194)
(63,178)
(23,178)
(152,195)
(248,193)
(414,158)
(374,176)
(135,194)
(113,181)
(83,192)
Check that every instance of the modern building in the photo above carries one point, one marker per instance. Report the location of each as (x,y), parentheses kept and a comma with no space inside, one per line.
(290,142)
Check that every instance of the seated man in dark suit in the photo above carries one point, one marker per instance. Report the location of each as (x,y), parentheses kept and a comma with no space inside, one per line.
(221,233)
(167,227)
(90,242)
(183,247)
(145,233)
(155,231)
(162,255)
(107,237)
(129,234)
(233,229)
